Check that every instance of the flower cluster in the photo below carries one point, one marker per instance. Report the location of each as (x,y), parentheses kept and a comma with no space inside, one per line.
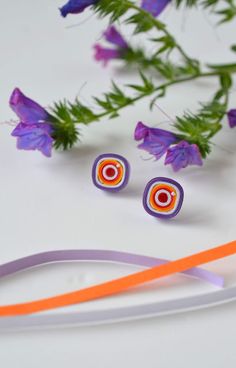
(159,142)
(34,131)
(155,7)
(112,36)
(40,130)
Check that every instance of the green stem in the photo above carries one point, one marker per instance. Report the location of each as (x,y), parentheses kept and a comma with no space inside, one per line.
(218,125)
(67,115)
(160,26)
(161,87)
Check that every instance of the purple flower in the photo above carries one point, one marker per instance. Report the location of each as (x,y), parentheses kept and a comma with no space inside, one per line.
(34,130)
(114,37)
(27,110)
(34,137)
(105,54)
(155,7)
(232,117)
(155,141)
(76,6)
(182,155)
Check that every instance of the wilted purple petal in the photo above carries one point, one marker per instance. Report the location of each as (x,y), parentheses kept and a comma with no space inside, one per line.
(104,54)
(141,131)
(34,137)
(114,37)
(155,141)
(155,7)
(182,155)
(156,147)
(232,118)
(76,6)
(27,110)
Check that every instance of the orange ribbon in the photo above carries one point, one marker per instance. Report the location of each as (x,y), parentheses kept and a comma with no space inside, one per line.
(118,285)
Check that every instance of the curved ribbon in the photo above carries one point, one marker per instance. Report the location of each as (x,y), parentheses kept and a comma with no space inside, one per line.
(100,255)
(122,314)
(118,285)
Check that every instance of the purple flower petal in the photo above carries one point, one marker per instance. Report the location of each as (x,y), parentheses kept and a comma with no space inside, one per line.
(232,118)
(27,110)
(114,37)
(155,7)
(155,141)
(156,147)
(34,137)
(141,131)
(76,6)
(182,155)
(104,54)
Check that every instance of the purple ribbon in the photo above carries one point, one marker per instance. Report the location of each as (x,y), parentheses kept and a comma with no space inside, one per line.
(115,314)
(121,314)
(100,255)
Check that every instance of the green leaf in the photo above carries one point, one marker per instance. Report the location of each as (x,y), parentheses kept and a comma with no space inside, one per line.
(81,113)
(199,128)
(168,43)
(233,48)
(147,86)
(225,81)
(227,14)
(143,23)
(65,133)
(223,68)
(113,8)
(161,93)
(225,9)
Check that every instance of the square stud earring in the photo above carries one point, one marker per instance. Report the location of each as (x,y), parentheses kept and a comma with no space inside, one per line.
(163,197)
(110,172)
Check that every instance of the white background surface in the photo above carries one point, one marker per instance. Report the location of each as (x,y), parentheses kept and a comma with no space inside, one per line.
(50,204)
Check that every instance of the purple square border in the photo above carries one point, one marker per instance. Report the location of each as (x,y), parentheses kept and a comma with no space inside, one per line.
(127,172)
(168,181)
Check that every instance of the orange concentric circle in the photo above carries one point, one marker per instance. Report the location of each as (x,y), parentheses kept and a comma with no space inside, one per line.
(163,197)
(110,172)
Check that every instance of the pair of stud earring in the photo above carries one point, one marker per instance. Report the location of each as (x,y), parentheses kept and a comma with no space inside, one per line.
(162,197)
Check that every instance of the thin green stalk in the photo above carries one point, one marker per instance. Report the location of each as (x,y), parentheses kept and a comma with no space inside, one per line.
(218,123)
(161,87)
(160,26)
(193,127)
